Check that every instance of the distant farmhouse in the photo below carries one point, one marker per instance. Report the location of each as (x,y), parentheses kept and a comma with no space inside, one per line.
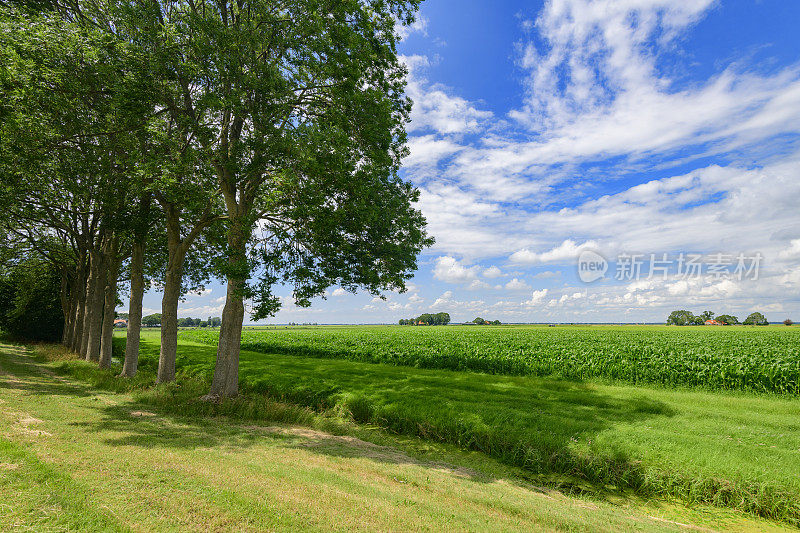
(120,323)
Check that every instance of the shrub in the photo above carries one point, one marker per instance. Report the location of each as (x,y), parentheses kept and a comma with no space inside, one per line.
(30,301)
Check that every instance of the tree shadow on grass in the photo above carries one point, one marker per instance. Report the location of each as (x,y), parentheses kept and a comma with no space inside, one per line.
(547,427)
(543,426)
(133,424)
(20,373)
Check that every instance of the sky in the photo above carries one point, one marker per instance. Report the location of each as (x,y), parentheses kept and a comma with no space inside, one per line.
(594,161)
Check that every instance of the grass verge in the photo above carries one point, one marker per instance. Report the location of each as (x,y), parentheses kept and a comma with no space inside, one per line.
(76,458)
(730,450)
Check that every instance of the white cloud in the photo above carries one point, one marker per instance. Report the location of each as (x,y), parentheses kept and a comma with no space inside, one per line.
(450,270)
(793,250)
(435,107)
(478,285)
(339,292)
(420,25)
(595,89)
(537,297)
(547,274)
(517,285)
(568,249)
(493,272)
(427,151)
(445,299)
(200,311)
(446,302)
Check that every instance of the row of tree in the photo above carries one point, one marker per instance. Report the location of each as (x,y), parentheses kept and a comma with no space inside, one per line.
(154,320)
(482,322)
(687,318)
(166,143)
(427,319)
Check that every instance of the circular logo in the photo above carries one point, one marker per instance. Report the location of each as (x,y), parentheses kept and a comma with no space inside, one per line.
(591,266)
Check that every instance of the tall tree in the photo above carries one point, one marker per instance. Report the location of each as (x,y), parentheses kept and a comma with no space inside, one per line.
(141,227)
(76,98)
(298,112)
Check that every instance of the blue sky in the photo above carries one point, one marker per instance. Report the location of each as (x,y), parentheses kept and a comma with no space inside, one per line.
(541,131)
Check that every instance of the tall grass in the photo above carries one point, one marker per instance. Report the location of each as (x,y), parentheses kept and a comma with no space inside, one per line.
(729,358)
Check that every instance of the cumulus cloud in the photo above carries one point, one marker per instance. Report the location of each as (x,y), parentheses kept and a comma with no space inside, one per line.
(537,297)
(493,272)
(792,251)
(517,285)
(478,285)
(415,299)
(450,270)
(445,299)
(568,249)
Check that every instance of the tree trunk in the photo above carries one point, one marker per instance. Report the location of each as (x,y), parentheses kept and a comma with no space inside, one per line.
(176,250)
(169,307)
(95,315)
(66,308)
(110,297)
(226,372)
(225,383)
(80,307)
(85,316)
(131,364)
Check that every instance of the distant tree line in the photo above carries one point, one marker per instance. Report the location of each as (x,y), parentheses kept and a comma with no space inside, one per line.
(687,318)
(427,319)
(482,322)
(154,320)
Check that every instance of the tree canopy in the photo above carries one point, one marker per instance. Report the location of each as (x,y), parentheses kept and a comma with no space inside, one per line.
(258,142)
(427,319)
(756,319)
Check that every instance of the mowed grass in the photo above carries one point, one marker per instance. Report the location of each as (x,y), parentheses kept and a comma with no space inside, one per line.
(731,449)
(747,358)
(77,458)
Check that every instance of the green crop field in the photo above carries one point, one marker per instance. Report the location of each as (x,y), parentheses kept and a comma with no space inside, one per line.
(761,359)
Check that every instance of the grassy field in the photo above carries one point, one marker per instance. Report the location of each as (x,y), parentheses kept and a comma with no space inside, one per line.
(738,450)
(78,457)
(760,359)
